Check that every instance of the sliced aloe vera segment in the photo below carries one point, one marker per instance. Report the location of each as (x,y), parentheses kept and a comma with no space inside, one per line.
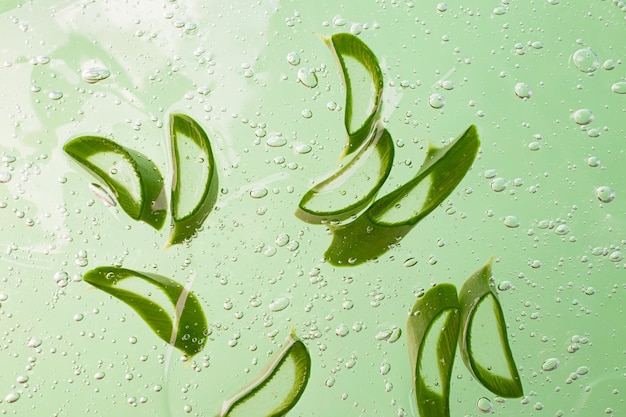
(187,330)
(485,349)
(432,370)
(194,181)
(133,179)
(391,217)
(277,388)
(363,79)
(353,187)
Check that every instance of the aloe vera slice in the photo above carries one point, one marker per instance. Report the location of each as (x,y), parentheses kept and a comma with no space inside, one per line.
(475,296)
(194,180)
(432,391)
(363,79)
(391,217)
(133,179)
(353,187)
(186,332)
(277,388)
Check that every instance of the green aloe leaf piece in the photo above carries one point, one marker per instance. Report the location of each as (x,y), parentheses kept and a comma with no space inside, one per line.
(133,179)
(431,375)
(496,369)
(187,330)
(354,186)
(194,181)
(363,79)
(277,388)
(391,217)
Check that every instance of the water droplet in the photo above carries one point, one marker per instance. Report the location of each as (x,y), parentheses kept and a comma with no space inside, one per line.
(605,194)
(306,113)
(342,330)
(550,364)
(282,239)
(523,91)
(586,60)
(293,58)
(34,342)
(5,176)
(562,230)
(385,368)
(93,75)
(55,95)
(593,161)
(499,11)
(534,146)
(609,64)
(4,296)
(12,397)
(99,375)
(436,101)
(511,221)
(279,304)
(582,370)
(276,141)
(410,262)
(505,285)
(259,192)
(583,117)
(22,379)
(484,405)
(619,88)
(447,85)
(442,7)
(303,148)
(307,77)
(616,256)
(498,184)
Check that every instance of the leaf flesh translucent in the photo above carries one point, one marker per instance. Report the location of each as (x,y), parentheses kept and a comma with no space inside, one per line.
(439,302)
(389,219)
(353,187)
(277,388)
(194,180)
(474,294)
(361,73)
(133,179)
(186,331)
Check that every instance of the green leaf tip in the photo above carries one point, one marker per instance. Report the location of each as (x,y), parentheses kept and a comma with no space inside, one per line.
(277,388)
(383,225)
(478,291)
(186,330)
(432,386)
(350,50)
(133,179)
(194,178)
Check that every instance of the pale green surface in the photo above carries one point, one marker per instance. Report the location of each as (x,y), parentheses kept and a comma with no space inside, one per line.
(562,261)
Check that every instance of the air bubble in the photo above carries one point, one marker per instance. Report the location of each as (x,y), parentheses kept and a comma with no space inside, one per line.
(511,221)
(436,101)
(303,148)
(498,184)
(93,75)
(523,91)
(55,95)
(605,194)
(619,88)
(279,304)
(293,58)
(484,405)
(586,60)
(550,364)
(259,192)
(583,117)
(442,7)
(307,77)
(282,239)
(5,176)
(12,397)
(306,113)
(276,141)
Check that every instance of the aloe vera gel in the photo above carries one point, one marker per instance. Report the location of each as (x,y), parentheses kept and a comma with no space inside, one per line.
(263,209)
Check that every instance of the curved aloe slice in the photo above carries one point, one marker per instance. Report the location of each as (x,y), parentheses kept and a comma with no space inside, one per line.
(477,292)
(133,179)
(194,181)
(353,187)
(364,86)
(186,332)
(277,388)
(433,399)
(391,217)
